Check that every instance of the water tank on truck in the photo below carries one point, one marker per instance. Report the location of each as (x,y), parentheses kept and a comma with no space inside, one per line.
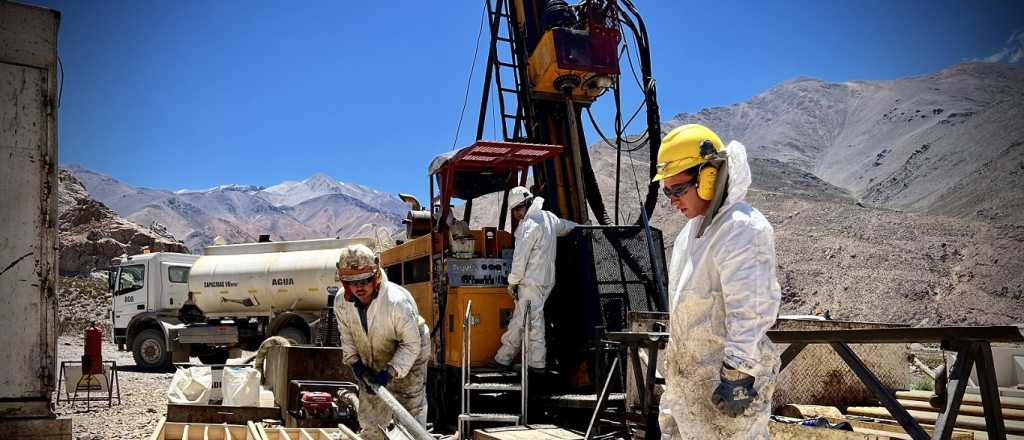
(264,278)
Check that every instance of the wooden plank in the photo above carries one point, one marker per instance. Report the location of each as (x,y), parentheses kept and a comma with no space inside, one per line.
(158,433)
(1004,333)
(982,435)
(971,399)
(785,431)
(528,432)
(348,433)
(808,411)
(967,410)
(969,422)
(232,415)
(893,429)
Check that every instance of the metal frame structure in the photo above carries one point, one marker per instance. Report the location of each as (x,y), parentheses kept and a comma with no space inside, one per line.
(630,345)
(110,375)
(468,386)
(971,344)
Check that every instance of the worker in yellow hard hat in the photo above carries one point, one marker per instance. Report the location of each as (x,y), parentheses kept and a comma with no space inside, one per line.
(383,338)
(720,366)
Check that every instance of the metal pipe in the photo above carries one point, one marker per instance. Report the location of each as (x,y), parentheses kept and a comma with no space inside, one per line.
(402,417)
(525,368)
(601,398)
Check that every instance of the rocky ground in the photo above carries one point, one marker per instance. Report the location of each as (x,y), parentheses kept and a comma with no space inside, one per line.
(143,398)
(83,300)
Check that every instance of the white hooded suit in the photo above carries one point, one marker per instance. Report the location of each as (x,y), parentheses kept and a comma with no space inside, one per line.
(724,296)
(533,269)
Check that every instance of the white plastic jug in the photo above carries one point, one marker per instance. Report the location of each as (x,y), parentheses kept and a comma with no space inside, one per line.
(240,386)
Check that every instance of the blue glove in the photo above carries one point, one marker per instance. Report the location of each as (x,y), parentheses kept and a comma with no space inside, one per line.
(382,378)
(360,369)
(735,393)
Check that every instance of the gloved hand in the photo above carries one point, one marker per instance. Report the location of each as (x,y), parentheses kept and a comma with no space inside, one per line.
(381,378)
(513,291)
(360,369)
(735,393)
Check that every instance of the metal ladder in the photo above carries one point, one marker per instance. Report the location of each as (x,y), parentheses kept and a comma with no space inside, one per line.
(500,16)
(468,386)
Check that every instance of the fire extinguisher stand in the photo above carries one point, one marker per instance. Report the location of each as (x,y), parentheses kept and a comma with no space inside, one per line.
(94,373)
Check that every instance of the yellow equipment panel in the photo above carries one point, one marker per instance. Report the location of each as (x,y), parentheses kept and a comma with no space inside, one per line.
(422,294)
(492,309)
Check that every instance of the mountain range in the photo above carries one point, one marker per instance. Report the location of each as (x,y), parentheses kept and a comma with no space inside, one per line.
(319,206)
(895,201)
(949,143)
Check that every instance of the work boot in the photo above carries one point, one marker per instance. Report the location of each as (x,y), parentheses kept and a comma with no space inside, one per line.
(493,363)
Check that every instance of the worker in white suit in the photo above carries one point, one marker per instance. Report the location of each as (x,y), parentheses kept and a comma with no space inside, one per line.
(383,338)
(532,276)
(720,366)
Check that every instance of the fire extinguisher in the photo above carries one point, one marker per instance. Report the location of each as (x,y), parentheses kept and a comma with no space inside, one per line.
(93,359)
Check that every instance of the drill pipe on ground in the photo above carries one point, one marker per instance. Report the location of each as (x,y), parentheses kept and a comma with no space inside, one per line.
(402,417)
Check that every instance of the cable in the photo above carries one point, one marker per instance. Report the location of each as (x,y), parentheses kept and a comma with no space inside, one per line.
(629,58)
(60,81)
(469,82)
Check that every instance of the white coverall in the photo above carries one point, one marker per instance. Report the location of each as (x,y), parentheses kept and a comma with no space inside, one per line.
(724,297)
(398,337)
(533,269)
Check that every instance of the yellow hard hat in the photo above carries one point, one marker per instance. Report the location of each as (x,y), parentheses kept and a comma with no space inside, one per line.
(681,149)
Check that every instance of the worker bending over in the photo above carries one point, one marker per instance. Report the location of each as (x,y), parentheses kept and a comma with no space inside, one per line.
(383,339)
(720,366)
(532,275)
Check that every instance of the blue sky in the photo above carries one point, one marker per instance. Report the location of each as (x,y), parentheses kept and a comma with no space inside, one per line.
(195,94)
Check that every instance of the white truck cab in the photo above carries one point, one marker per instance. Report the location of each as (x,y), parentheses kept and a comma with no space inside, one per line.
(148,283)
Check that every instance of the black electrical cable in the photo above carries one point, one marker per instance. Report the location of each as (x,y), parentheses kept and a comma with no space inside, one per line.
(639,29)
(60,81)
(469,82)
(629,59)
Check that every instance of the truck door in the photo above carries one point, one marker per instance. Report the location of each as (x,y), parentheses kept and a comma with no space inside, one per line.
(175,282)
(129,294)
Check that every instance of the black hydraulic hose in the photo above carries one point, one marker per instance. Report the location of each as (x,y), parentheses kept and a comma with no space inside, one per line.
(593,192)
(639,30)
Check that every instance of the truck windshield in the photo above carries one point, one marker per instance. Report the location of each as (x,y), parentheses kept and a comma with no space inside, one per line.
(130,278)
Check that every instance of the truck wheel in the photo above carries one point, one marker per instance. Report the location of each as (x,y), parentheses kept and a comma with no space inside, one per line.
(214,357)
(294,334)
(150,351)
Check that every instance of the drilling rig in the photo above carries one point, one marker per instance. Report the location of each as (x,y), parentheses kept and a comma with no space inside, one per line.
(548,62)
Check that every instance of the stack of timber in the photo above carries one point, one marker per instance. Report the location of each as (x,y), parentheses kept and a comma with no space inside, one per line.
(971,416)
(200,431)
(862,430)
(278,433)
(785,426)
(528,432)
(250,431)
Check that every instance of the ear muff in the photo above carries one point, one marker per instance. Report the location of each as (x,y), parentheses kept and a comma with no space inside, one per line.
(706,178)
(707,175)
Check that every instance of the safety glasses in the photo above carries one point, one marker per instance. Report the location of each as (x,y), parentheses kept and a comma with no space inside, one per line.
(677,191)
(359,283)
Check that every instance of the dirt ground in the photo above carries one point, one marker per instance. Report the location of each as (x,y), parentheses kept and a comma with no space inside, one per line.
(143,398)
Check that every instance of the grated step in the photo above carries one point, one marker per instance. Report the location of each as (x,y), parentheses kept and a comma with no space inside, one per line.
(493,386)
(484,417)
